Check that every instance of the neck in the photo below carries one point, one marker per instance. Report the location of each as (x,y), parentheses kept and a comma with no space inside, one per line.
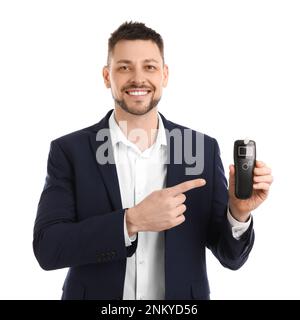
(139,129)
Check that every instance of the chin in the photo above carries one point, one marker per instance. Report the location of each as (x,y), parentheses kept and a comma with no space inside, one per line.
(139,111)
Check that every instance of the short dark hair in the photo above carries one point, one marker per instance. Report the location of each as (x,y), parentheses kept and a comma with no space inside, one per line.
(134,31)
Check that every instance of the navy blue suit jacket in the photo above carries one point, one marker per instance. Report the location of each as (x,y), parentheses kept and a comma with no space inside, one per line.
(80,218)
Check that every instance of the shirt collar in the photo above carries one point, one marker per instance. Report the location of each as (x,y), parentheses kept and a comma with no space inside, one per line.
(117,134)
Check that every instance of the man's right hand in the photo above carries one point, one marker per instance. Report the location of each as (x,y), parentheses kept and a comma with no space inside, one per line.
(160,210)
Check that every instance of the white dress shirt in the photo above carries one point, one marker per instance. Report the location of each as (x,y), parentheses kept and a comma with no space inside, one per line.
(139,174)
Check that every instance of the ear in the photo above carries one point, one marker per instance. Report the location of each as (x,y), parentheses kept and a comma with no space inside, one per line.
(165,75)
(105,74)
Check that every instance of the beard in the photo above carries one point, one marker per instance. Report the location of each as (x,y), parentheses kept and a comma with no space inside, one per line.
(137,111)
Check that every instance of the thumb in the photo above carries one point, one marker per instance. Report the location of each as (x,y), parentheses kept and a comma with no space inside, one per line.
(231,170)
(231,176)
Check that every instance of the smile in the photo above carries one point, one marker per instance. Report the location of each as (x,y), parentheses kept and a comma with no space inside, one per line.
(136,92)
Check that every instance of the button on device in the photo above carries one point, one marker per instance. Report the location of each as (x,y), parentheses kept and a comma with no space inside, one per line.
(245,166)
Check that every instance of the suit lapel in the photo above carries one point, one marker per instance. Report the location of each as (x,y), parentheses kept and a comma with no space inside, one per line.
(108,171)
(175,172)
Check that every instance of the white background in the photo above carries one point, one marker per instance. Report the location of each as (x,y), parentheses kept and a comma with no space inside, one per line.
(234,73)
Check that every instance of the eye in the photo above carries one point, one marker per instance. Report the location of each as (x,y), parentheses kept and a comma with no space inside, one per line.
(124,68)
(150,67)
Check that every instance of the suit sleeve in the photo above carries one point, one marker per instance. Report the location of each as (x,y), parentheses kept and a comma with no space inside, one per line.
(231,253)
(59,239)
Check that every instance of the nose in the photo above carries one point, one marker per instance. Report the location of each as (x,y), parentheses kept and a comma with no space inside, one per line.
(138,77)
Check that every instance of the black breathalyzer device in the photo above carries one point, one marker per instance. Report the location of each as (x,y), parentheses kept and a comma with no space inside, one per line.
(244,163)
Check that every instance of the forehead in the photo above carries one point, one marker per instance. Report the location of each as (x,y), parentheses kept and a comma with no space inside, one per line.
(135,50)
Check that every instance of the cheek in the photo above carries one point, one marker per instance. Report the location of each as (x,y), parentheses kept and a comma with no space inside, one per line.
(116,86)
(117,81)
(158,85)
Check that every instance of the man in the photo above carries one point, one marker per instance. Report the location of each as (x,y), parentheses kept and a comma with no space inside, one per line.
(127,218)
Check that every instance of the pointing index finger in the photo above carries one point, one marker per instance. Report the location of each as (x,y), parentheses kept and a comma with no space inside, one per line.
(186,186)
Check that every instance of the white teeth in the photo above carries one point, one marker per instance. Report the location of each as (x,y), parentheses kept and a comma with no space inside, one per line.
(137,93)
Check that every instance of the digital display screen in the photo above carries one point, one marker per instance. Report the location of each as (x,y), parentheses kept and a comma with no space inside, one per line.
(245,151)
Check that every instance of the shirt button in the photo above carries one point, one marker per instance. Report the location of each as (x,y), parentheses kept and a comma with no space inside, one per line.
(141,262)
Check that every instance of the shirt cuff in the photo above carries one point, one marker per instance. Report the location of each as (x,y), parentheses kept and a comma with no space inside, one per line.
(238,228)
(128,240)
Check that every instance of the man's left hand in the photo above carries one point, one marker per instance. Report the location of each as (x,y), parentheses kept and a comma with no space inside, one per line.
(262,180)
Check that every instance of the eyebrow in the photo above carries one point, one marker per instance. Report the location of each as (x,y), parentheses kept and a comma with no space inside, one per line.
(130,62)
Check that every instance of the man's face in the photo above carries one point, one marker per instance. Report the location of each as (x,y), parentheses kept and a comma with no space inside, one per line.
(136,75)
